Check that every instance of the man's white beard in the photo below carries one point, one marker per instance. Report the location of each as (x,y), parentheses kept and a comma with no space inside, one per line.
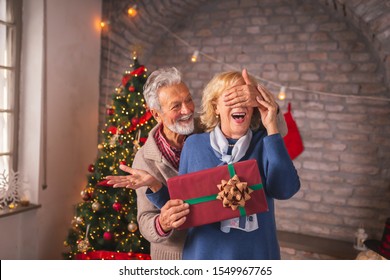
(182,129)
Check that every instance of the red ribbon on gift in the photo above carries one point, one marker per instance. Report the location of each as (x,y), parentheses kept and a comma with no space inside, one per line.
(108,255)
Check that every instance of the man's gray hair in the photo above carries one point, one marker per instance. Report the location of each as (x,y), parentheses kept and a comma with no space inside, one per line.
(160,78)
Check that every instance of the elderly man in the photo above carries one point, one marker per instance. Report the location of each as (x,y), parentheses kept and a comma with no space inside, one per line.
(172,106)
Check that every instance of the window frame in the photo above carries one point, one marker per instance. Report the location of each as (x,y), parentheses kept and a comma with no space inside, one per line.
(14,8)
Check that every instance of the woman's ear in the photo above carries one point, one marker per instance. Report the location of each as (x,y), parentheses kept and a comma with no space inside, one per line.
(215,107)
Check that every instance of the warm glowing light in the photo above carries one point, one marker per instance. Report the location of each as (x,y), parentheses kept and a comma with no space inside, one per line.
(194,56)
(132,11)
(103,24)
(282,93)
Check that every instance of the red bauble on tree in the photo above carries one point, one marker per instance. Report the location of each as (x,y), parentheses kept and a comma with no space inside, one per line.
(110,111)
(134,121)
(91,168)
(117,206)
(107,236)
(85,195)
(131,88)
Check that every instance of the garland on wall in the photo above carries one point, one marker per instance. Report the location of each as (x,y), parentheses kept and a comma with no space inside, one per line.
(132,11)
(283,88)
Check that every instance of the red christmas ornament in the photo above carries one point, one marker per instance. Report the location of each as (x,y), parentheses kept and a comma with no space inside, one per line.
(122,162)
(91,168)
(134,121)
(131,88)
(117,206)
(85,195)
(110,111)
(107,236)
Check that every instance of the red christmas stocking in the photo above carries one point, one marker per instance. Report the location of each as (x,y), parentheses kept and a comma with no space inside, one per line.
(292,140)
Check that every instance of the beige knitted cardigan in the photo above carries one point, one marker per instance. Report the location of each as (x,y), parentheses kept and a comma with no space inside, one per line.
(150,159)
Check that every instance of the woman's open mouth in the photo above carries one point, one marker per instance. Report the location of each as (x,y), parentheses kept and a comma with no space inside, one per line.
(239,117)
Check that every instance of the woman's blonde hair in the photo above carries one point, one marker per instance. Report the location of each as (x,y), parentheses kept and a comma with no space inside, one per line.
(213,90)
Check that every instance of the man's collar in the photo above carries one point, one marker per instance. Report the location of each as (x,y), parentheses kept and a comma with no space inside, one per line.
(164,139)
(162,131)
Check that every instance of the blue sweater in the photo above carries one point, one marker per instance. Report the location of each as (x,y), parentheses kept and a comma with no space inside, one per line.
(280,181)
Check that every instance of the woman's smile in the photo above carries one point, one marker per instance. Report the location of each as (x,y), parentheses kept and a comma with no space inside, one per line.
(238,117)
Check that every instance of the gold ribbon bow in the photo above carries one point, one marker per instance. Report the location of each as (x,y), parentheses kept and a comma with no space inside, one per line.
(233,193)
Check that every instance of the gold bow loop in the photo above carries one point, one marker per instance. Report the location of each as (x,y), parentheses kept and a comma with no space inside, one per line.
(233,193)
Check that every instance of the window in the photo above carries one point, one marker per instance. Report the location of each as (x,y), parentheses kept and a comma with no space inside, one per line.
(10,36)
(10,45)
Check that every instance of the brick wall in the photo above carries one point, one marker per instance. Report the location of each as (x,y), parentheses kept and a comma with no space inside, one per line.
(372,19)
(335,46)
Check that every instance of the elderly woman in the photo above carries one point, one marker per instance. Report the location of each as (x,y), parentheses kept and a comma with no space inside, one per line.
(232,135)
(171,104)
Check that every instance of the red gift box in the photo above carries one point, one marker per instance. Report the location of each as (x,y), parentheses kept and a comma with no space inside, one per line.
(200,190)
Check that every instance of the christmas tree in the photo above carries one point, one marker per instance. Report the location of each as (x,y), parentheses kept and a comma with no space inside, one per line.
(105,222)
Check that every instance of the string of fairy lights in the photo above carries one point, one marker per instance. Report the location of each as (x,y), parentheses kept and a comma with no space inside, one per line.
(132,11)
